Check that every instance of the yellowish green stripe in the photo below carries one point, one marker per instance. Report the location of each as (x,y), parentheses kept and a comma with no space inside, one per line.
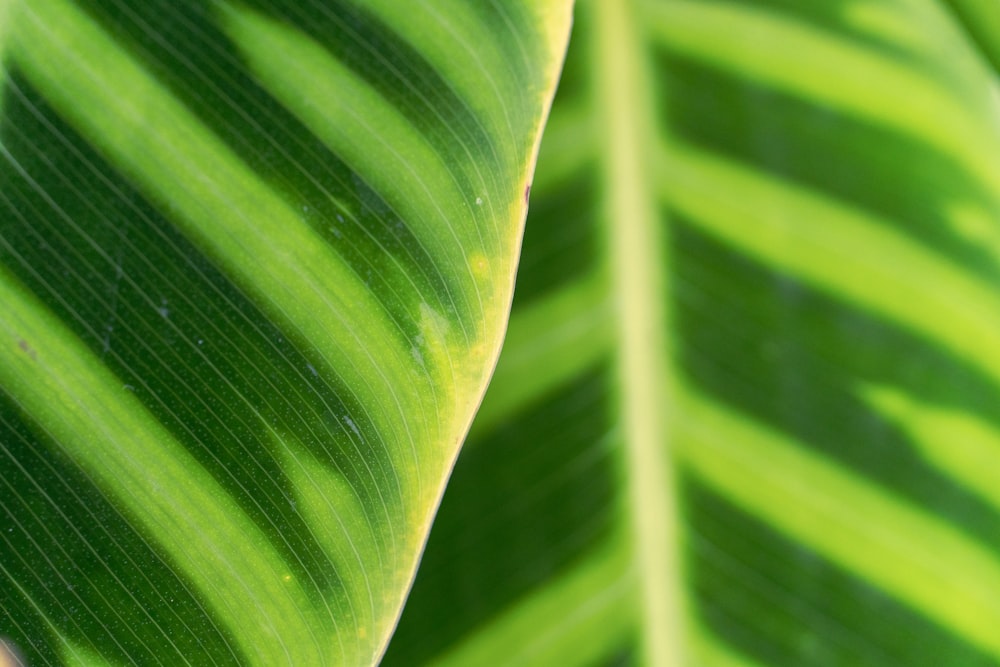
(982,20)
(106,431)
(636,255)
(465,51)
(836,72)
(975,224)
(371,592)
(917,557)
(848,252)
(549,343)
(6,19)
(232,215)
(962,445)
(569,145)
(386,150)
(393,157)
(6,22)
(75,654)
(885,21)
(710,651)
(579,617)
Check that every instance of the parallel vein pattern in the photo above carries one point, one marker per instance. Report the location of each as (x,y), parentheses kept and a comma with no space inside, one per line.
(255,263)
(825,182)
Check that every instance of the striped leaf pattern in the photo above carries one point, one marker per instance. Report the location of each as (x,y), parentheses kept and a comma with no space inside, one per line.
(746,414)
(256,259)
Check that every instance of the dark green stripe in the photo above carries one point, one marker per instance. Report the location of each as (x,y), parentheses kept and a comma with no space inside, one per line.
(520,513)
(715,109)
(159,314)
(795,358)
(86,568)
(572,240)
(786,606)
(182,43)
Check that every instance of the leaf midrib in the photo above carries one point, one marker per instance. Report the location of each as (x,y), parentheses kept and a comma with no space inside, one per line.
(640,284)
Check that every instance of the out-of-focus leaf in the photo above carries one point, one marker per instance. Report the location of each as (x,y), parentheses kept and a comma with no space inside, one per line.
(747,413)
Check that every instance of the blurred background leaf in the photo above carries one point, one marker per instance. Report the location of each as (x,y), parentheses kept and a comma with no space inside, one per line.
(746,413)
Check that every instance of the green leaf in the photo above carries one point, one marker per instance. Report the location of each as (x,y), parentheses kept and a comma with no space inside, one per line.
(256,260)
(747,409)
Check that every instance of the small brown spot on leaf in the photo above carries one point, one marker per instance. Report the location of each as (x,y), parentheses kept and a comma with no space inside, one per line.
(27,349)
(527,192)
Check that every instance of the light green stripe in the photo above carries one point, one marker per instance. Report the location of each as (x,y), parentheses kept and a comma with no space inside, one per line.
(231,214)
(570,145)
(637,261)
(843,250)
(105,430)
(465,52)
(710,651)
(391,155)
(7,15)
(913,555)
(927,37)
(371,593)
(960,444)
(76,655)
(976,226)
(549,343)
(468,53)
(982,20)
(886,22)
(6,19)
(577,618)
(837,73)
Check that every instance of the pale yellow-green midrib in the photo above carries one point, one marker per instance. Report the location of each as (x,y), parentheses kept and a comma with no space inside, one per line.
(6,16)
(582,616)
(254,235)
(645,374)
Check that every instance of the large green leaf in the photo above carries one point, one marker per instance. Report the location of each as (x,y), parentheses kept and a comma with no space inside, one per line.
(747,411)
(256,259)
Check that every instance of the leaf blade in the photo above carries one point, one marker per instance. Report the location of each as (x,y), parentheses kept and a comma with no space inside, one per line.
(304,350)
